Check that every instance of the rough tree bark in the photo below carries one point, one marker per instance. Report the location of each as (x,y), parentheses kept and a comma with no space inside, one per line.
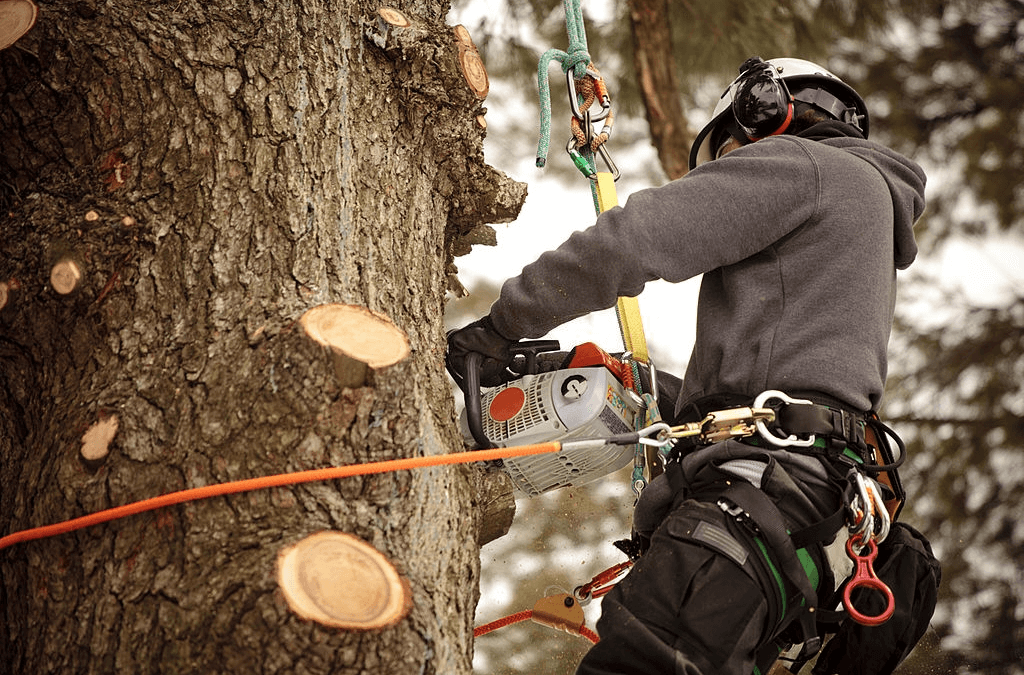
(214,170)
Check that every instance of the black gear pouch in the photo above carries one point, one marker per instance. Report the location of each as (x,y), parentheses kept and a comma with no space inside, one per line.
(907,565)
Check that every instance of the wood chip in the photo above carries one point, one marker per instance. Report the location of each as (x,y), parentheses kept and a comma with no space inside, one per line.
(339,580)
(357,332)
(394,17)
(472,65)
(96,440)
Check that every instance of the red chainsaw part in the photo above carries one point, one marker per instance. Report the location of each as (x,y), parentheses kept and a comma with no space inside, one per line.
(506,404)
(589,355)
(865,577)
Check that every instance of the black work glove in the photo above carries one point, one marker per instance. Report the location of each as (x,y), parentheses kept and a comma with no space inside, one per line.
(482,337)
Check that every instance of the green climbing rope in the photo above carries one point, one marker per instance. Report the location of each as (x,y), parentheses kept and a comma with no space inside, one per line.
(577,58)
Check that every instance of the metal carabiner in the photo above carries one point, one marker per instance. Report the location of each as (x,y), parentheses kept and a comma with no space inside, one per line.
(602,151)
(878,506)
(606,103)
(581,162)
(861,508)
(661,432)
(762,428)
(867,509)
(584,165)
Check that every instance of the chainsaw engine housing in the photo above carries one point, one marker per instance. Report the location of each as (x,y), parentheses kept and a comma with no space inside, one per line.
(574,403)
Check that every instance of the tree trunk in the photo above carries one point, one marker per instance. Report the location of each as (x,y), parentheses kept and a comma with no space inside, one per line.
(654,62)
(213,171)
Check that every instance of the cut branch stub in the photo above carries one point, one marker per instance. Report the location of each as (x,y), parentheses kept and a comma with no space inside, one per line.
(16,18)
(65,275)
(6,288)
(394,17)
(359,338)
(339,580)
(471,64)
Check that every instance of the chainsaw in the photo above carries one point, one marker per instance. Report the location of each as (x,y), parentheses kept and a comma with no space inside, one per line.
(586,394)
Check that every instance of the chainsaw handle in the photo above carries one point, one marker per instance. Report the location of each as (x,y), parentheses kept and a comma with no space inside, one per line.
(471,393)
(530,350)
(471,383)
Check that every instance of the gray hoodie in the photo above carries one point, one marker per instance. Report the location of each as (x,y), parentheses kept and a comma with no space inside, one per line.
(798,240)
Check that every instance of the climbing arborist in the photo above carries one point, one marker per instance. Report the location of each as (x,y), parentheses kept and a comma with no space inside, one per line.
(798,225)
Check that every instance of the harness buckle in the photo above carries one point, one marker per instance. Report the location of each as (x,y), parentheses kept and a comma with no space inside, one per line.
(766,434)
(721,425)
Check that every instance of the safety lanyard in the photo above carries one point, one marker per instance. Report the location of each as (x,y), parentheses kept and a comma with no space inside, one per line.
(585,87)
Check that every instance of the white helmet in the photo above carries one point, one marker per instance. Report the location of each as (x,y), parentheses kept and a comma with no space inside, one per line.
(760,102)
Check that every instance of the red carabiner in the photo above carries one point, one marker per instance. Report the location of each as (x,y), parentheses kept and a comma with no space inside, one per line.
(865,577)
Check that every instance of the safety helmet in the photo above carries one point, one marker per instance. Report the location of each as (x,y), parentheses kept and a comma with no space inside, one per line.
(761,100)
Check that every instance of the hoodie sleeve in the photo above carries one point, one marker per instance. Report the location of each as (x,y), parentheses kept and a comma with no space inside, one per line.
(718,214)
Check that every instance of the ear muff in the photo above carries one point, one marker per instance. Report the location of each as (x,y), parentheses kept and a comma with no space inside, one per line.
(761,104)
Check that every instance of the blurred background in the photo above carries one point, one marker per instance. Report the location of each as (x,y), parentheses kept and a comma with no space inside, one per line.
(943,82)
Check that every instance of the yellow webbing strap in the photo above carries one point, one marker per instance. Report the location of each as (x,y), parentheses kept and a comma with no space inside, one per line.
(627,309)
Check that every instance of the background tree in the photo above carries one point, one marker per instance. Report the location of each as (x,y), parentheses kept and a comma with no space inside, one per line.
(942,80)
(959,366)
(214,170)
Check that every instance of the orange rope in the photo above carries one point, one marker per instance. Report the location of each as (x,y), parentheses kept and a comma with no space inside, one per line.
(524,616)
(589,634)
(501,623)
(279,480)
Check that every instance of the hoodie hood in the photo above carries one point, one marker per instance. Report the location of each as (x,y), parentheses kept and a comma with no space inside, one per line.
(905,178)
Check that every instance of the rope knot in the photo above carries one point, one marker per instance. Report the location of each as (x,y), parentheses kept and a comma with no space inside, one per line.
(577,60)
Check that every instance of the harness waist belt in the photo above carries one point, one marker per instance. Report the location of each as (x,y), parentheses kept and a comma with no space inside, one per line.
(837,425)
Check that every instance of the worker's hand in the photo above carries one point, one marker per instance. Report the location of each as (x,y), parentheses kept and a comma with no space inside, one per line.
(481,337)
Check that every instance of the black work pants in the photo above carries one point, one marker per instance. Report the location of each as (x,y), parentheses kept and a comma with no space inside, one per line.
(696,603)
